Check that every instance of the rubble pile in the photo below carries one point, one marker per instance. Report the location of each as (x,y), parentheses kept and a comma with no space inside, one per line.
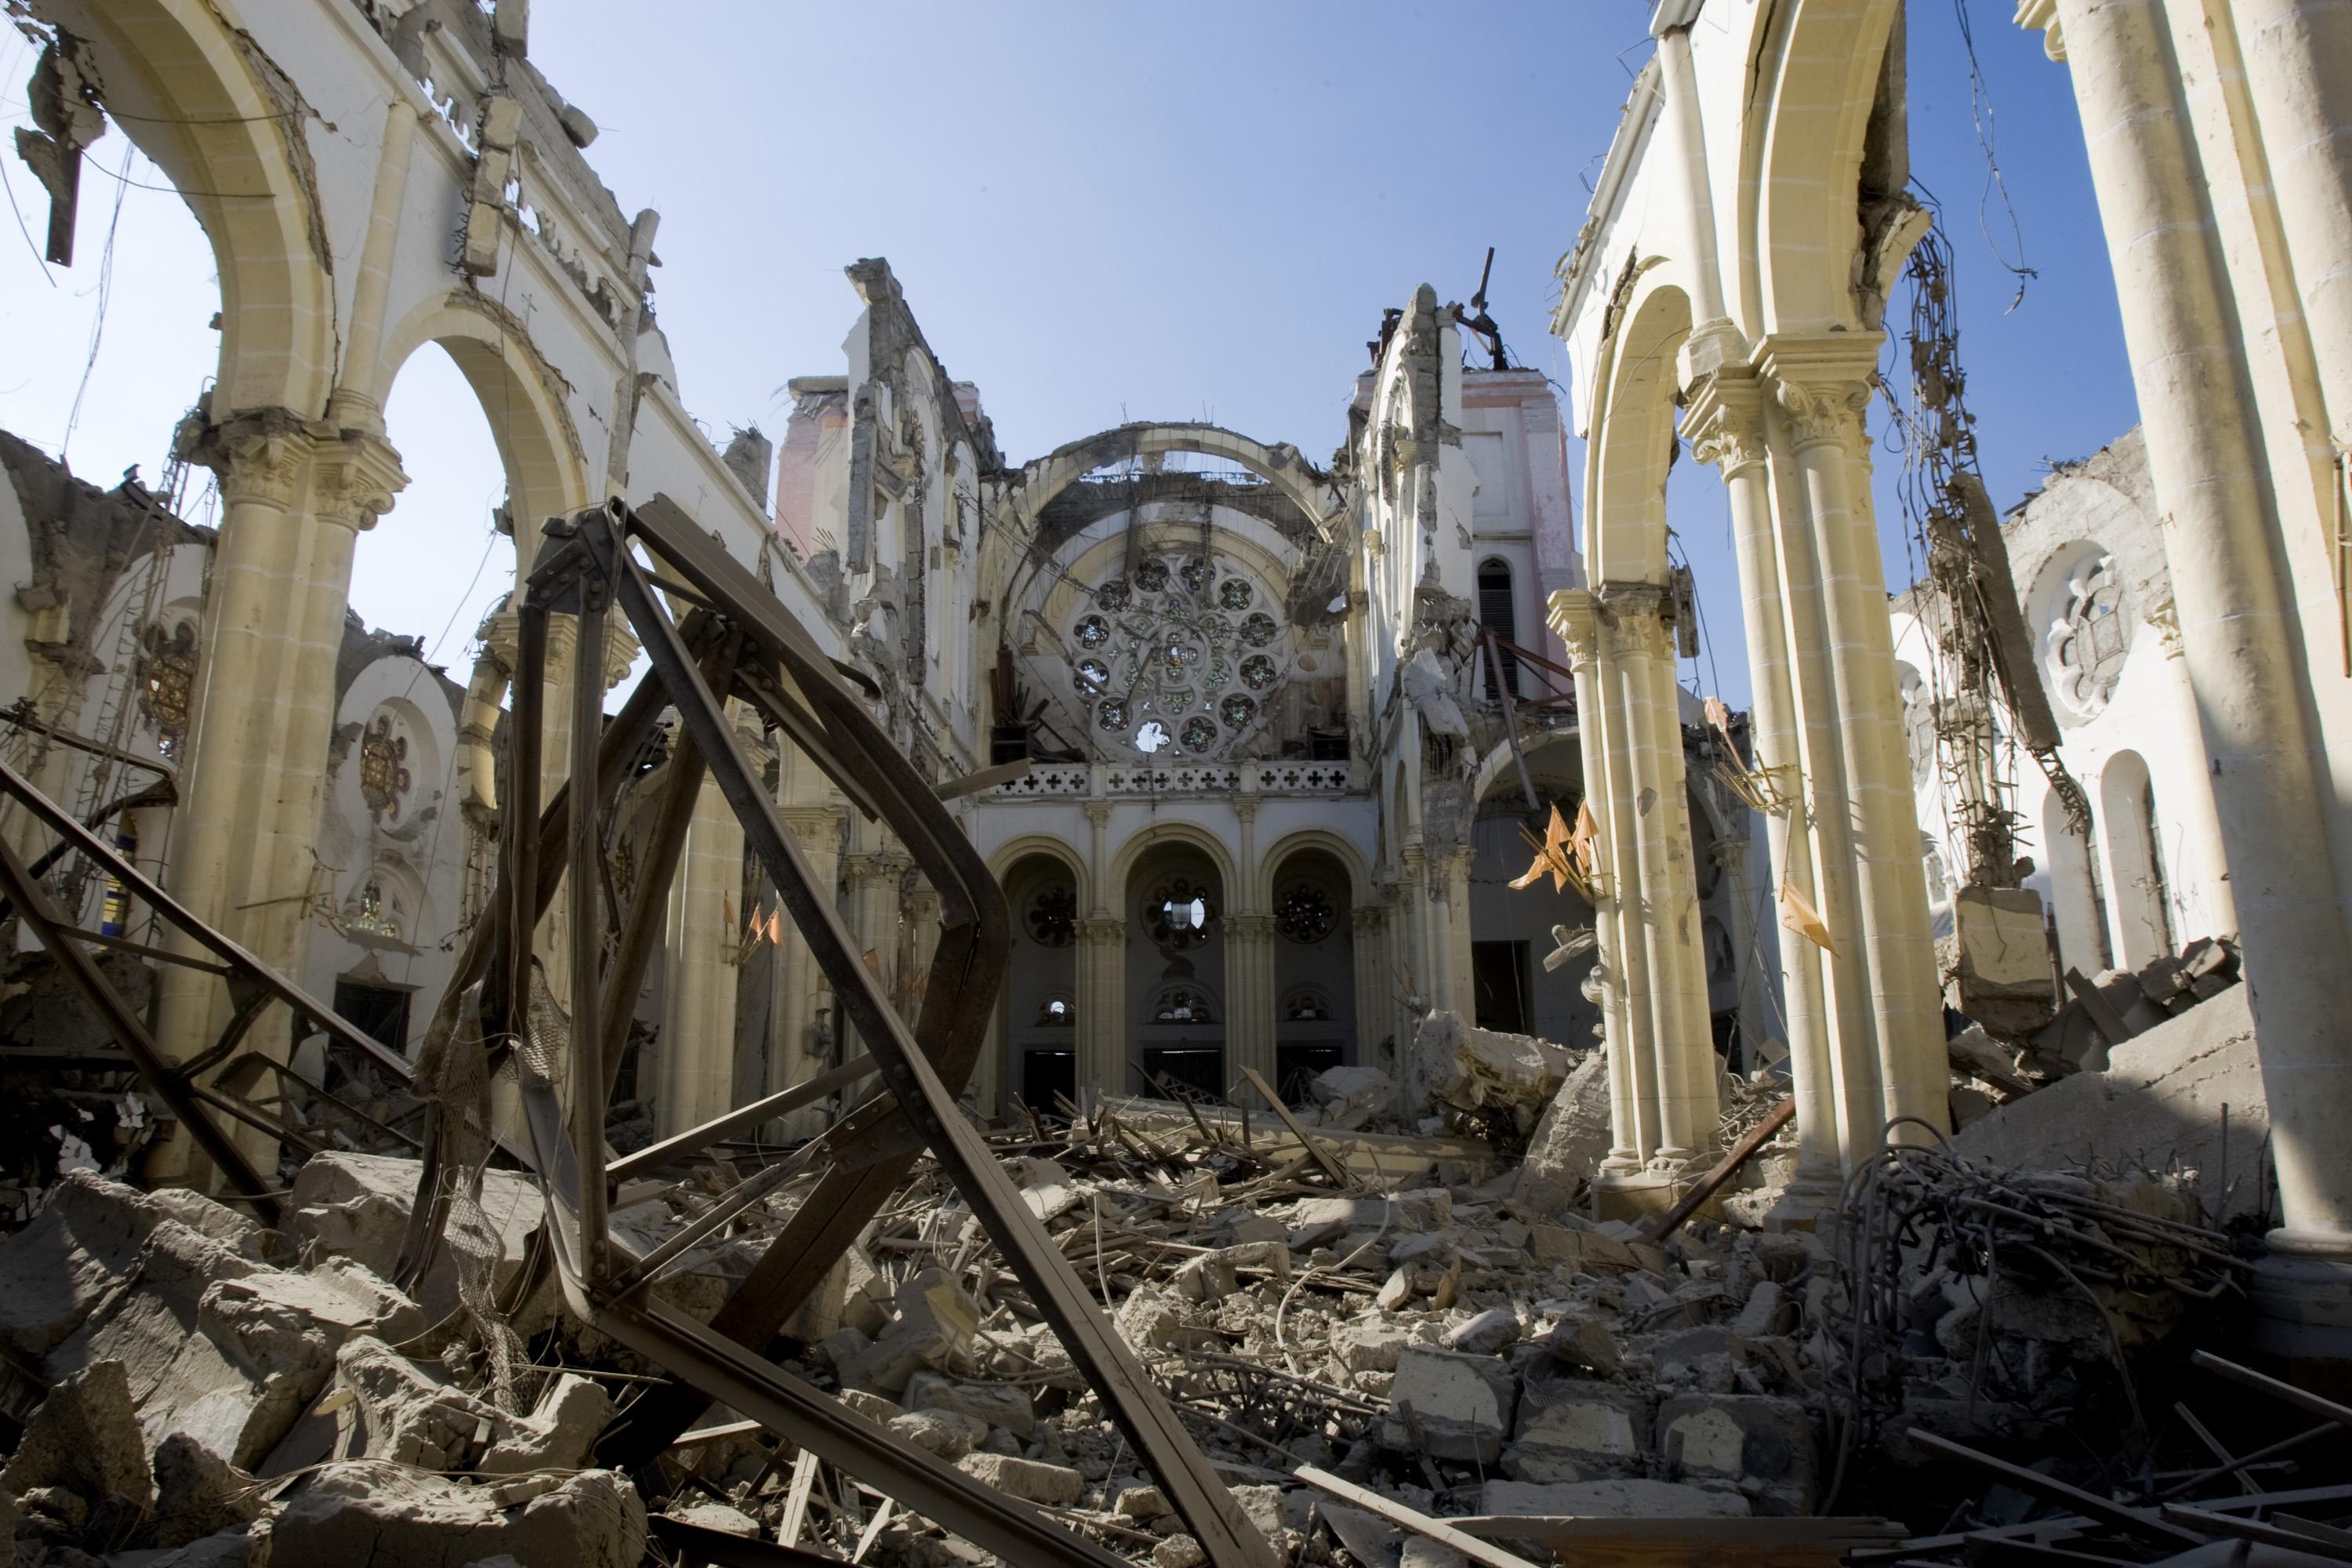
(1384,1336)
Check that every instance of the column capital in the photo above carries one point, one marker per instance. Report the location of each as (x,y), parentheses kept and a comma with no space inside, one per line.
(812,824)
(864,867)
(1249,927)
(1099,812)
(260,456)
(1726,417)
(1822,382)
(1573,618)
(1245,808)
(354,476)
(2042,16)
(2164,616)
(1633,615)
(1105,931)
(1365,919)
(922,901)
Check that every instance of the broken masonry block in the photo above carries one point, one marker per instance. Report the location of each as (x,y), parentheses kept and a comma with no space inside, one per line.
(1618,1499)
(559,1433)
(362,1512)
(1057,1486)
(1461,1405)
(990,1403)
(1764,1446)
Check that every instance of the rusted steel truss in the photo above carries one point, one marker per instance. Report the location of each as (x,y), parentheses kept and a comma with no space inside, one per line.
(215,1079)
(740,644)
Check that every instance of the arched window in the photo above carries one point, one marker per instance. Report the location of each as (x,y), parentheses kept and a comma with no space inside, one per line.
(1056,1011)
(1498,613)
(1182,1004)
(1306,1004)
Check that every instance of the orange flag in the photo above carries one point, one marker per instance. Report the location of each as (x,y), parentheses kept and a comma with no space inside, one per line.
(1551,855)
(1799,915)
(1586,841)
(1721,716)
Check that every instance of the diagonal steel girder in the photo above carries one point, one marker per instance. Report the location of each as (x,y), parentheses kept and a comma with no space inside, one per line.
(589,566)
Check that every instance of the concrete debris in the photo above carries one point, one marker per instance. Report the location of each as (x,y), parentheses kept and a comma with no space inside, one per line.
(1417,1319)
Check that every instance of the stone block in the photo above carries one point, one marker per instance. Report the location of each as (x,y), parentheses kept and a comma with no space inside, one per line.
(1571,1140)
(562,1429)
(1769,1311)
(1423,1208)
(1001,1404)
(407,1417)
(1577,1429)
(84,1439)
(1178,1551)
(1370,1539)
(1057,1486)
(1463,1404)
(1420,1552)
(1489,1333)
(1584,1251)
(198,1493)
(1371,1344)
(61,1266)
(356,1206)
(1141,1502)
(1764,1446)
(948,1434)
(1584,1340)
(365,1513)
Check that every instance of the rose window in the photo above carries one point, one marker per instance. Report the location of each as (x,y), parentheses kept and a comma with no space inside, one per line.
(1178,913)
(1304,913)
(1052,916)
(2089,635)
(167,678)
(383,769)
(1157,652)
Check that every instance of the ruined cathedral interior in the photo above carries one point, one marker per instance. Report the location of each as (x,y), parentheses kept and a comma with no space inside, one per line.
(1176,997)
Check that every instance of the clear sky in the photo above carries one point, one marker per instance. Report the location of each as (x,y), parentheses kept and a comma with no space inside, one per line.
(1099,212)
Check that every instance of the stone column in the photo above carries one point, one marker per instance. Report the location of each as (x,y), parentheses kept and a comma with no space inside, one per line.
(1449,915)
(2298,66)
(1413,900)
(295,494)
(698,1040)
(1105,899)
(1368,925)
(1618,981)
(1727,415)
(921,937)
(1400,985)
(1249,996)
(1659,901)
(1101,1003)
(797,1051)
(2246,665)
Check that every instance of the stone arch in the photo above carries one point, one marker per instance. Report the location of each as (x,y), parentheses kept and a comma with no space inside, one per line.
(1625,527)
(1817,75)
(1162,834)
(1280,465)
(1269,868)
(520,395)
(1012,851)
(198,99)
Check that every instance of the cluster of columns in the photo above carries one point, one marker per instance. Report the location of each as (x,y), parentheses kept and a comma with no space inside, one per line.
(1863,1013)
(2221,153)
(1652,972)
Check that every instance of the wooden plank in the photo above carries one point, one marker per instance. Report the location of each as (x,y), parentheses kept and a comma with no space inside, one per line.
(788,1529)
(2260,1535)
(2135,1521)
(2326,1409)
(1331,1167)
(1420,1524)
(1725,1169)
(1674,1542)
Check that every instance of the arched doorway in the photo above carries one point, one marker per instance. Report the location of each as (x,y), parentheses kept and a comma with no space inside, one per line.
(1038,1005)
(1313,969)
(1176,973)
(1511,929)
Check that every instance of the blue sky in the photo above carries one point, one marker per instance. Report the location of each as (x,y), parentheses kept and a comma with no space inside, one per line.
(1099,211)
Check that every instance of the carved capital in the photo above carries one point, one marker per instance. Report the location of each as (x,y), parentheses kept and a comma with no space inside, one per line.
(1726,420)
(1103,931)
(260,456)
(1245,808)
(2043,14)
(354,477)
(1099,812)
(1574,619)
(1633,615)
(1365,919)
(1823,411)
(2164,616)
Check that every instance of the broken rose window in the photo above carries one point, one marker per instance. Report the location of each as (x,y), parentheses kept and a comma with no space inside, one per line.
(383,769)
(1304,912)
(1157,647)
(2089,635)
(1053,916)
(1178,913)
(167,675)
